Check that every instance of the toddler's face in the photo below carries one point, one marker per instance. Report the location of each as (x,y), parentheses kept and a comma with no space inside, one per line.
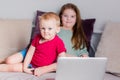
(48,29)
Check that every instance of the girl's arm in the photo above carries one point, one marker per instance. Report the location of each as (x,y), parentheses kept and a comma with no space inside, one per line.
(83,52)
(28,59)
(84,55)
(46,69)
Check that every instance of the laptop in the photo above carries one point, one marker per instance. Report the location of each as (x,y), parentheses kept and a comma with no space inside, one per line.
(76,68)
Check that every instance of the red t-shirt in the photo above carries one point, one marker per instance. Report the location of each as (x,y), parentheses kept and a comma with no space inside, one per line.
(46,53)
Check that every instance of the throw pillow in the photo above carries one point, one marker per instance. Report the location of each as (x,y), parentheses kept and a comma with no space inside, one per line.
(109,46)
(88,26)
(35,30)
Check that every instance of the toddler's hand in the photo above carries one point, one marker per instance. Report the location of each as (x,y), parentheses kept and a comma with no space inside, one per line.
(29,70)
(40,71)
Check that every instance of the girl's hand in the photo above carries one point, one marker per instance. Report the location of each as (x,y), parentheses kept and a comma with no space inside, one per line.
(69,55)
(29,70)
(84,55)
(40,71)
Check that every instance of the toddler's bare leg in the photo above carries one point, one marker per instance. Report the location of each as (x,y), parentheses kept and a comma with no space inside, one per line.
(15,58)
(2,61)
(11,67)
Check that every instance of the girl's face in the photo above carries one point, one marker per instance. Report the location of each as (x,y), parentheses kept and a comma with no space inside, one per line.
(48,29)
(68,18)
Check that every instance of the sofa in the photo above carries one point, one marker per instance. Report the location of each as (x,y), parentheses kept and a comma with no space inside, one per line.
(15,35)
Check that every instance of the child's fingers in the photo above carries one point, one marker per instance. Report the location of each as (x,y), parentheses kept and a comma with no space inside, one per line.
(32,70)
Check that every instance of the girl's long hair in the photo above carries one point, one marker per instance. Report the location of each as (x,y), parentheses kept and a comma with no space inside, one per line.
(78,39)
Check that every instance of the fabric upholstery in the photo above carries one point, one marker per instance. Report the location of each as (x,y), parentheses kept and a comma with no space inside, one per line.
(109,46)
(14,35)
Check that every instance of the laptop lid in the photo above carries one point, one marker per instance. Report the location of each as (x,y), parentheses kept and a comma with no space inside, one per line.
(76,68)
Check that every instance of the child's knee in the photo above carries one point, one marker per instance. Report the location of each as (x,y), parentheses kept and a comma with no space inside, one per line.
(9,60)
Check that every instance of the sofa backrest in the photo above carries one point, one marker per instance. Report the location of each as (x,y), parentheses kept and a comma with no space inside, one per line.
(109,46)
(14,35)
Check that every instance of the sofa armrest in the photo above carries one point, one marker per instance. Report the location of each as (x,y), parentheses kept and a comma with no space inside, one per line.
(15,35)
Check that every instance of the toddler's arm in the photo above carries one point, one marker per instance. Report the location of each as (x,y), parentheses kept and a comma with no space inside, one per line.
(46,69)
(28,60)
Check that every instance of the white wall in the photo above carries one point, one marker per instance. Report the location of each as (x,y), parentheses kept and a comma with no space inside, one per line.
(102,10)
